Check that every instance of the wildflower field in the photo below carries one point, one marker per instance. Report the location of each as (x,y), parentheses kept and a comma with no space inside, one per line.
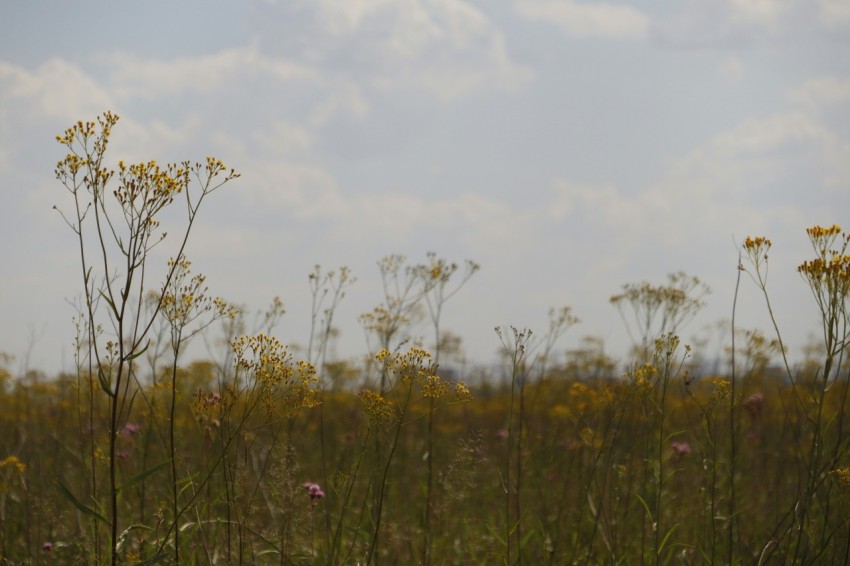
(407,455)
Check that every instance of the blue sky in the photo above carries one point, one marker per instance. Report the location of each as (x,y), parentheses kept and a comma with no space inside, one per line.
(567,147)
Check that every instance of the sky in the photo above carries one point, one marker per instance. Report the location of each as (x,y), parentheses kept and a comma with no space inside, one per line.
(567,147)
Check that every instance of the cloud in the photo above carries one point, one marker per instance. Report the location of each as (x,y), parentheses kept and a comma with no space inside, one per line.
(36,105)
(748,179)
(604,204)
(757,12)
(767,135)
(295,189)
(825,91)
(131,76)
(56,89)
(771,176)
(834,14)
(595,19)
(752,177)
(345,99)
(738,165)
(446,47)
(704,24)
(726,24)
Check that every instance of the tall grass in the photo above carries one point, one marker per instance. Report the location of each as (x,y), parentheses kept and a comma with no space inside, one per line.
(254,457)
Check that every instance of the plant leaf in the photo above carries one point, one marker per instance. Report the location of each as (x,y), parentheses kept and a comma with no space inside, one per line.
(80,505)
(122,538)
(137,478)
(104,384)
(108,301)
(135,355)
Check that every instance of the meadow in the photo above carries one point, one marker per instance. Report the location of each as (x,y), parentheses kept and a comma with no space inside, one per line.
(263,455)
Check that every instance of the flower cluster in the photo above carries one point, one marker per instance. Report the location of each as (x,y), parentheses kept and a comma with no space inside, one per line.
(832,273)
(680,449)
(275,373)
(379,411)
(644,377)
(84,135)
(385,320)
(314,491)
(756,250)
(130,430)
(185,298)
(148,187)
(721,389)
(842,475)
(13,462)
(829,273)
(819,233)
(415,366)
(757,247)
(462,392)
(828,276)
(434,387)
(209,408)
(754,404)
(266,357)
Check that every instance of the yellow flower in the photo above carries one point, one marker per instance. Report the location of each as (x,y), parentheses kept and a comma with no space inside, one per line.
(13,462)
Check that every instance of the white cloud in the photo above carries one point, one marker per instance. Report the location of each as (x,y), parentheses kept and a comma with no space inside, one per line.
(283,138)
(487,224)
(730,23)
(834,14)
(582,201)
(759,12)
(593,19)
(446,47)
(762,136)
(346,99)
(135,77)
(751,172)
(56,89)
(59,93)
(825,91)
(299,190)
(346,17)
(740,23)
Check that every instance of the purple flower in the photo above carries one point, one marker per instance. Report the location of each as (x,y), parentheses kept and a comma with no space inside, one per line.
(680,448)
(130,429)
(314,491)
(122,454)
(47,546)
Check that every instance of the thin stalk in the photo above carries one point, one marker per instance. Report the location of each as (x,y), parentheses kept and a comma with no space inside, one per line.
(381,496)
(730,534)
(171,445)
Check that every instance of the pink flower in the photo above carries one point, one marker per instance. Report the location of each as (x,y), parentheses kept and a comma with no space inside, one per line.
(753,404)
(47,546)
(680,448)
(314,491)
(130,430)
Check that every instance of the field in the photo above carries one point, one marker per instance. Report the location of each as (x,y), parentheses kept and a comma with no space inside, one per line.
(407,456)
